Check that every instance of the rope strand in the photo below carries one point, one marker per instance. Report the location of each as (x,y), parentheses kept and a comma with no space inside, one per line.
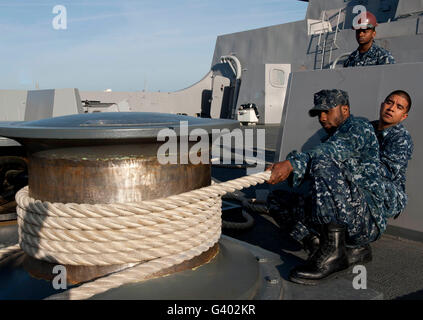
(156,234)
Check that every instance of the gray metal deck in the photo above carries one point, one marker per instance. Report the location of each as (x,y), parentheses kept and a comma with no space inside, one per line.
(394,273)
(396,269)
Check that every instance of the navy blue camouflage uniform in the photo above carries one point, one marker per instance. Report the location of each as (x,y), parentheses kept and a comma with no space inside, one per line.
(374,56)
(345,185)
(396,148)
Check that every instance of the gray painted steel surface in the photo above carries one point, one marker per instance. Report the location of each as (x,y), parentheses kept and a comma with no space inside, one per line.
(290,43)
(39,105)
(382,9)
(400,31)
(20,105)
(188,101)
(406,7)
(235,274)
(109,125)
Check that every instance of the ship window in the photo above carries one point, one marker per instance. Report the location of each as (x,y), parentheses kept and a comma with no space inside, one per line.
(277,77)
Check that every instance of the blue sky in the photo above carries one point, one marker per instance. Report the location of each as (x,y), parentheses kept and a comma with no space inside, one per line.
(124,45)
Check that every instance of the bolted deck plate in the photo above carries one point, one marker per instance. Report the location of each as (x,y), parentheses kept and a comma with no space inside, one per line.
(234,274)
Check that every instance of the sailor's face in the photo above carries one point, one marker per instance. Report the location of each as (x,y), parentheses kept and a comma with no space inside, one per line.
(331,119)
(364,36)
(394,110)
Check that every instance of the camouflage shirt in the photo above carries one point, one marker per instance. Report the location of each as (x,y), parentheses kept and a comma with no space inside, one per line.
(374,56)
(354,144)
(396,148)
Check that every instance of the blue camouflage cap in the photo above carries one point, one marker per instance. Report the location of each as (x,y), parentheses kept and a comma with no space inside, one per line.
(328,99)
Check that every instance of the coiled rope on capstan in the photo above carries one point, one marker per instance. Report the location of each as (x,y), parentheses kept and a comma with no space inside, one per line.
(8,251)
(154,234)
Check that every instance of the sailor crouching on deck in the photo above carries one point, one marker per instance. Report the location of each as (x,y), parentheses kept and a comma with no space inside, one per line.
(347,192)
(396,148)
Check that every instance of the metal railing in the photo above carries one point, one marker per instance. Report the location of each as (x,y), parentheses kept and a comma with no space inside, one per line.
(323,49)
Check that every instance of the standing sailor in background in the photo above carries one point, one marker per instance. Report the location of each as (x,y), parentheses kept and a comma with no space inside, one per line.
(368,53)
(347,189)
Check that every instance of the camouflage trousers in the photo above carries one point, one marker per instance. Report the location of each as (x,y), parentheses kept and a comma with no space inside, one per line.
(331,197)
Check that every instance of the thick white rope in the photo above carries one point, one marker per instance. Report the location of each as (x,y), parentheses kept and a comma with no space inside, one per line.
(8,251)
(157,234)
(134,274)
(168,234)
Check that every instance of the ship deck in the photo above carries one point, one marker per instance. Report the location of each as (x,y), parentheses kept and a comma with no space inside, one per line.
(394,274)
(395,270)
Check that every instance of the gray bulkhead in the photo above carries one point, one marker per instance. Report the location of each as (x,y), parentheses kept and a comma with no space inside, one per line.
(190,101)
(25,105)
(400,30)
(310,44)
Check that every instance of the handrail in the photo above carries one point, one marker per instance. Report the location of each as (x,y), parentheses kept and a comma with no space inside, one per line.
(333,66)
(336,36)
(235,65)
(232,60)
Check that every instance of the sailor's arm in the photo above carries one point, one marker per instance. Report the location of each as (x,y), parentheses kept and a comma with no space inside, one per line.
(280,171)
(297,163)
(346,144)
(395,155)
(386,58)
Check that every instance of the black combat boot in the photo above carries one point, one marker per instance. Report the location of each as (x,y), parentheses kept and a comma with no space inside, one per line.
(311,244)
(331,257)
(359,255)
